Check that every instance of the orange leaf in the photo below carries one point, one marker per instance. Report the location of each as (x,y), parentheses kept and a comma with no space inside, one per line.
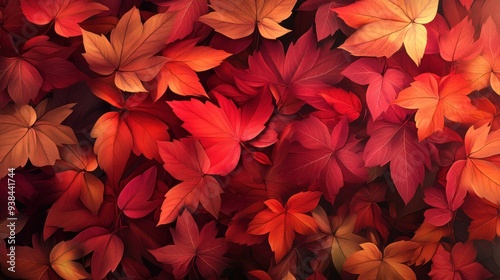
(238,19)
(282,222)
(485,217)
(484,69)
(62,260)
(481,173)
(184,58)
(32,134)
(384,26)
(130,53)
(371,264)
(428,237)
(459,43)
(437,98)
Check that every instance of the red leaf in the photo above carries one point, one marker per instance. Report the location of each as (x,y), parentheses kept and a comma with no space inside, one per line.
(222,129)
(66,14)
(192,246)
(186,16)
(485,217)
(304,67)
(134,199)
(107,250)
(383,86)
(136,127)
(368,213)
(459,263)
(395,141)
(187,160)
(319,154)
(282,222)
(440,214)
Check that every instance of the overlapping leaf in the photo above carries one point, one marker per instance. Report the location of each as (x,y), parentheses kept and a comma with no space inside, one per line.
(239,19)
(130,54)
(385,25)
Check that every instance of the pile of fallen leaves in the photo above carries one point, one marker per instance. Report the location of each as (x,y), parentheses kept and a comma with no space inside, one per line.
(250,139)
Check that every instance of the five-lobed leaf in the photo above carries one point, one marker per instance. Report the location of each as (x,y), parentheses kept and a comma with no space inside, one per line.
(281,222)
(370,263)
(130,54)
(238,19)
(222,130)
(188,161)
(436,99)
(385,25)
(30,133)
(192,246)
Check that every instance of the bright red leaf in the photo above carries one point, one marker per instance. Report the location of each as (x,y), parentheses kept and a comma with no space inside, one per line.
(222,130)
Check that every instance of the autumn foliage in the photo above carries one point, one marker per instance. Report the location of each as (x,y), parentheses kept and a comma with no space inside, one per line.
(250,139)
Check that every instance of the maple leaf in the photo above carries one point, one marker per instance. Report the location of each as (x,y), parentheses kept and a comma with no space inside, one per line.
(193,246)
(221,130)
(130,53)
(239,19)
(33,134)
(383,86)
(134,199)
(319,154)
(459,263)
(485,217)
(187,160)
(480,173)
(483,70)
(135,127)
(304,71)
(66,14)
(385,25)
(395,140)
(436,99)
(458,43)
(282,222)
(39,65)
(74,177)
(184,58)
(370,263)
